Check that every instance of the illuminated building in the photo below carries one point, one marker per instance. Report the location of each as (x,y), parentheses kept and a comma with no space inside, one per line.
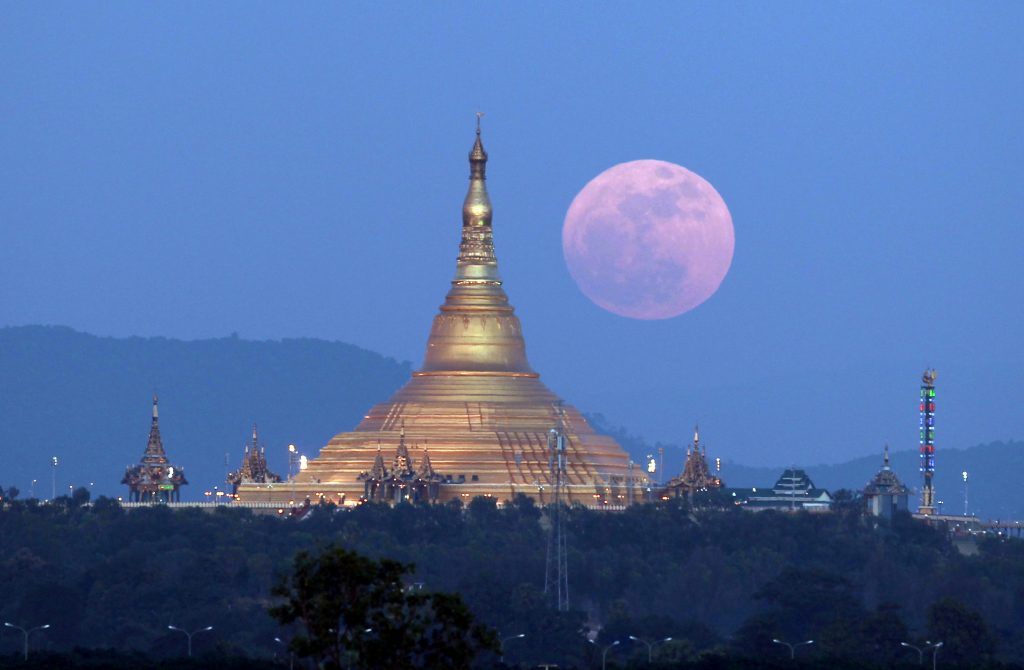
(254,466)
(154,479)
(927,435)
(696,475)
(885,494)
(793,491)
(475,402)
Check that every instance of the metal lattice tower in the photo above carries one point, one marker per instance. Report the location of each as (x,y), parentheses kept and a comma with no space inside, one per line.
(556,572)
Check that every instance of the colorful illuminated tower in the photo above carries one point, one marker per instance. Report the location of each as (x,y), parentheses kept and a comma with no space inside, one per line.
(927,432)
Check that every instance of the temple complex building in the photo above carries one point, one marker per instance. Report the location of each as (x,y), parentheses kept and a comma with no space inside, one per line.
(885,494)
(475,402)
(793,491)
(254,466)
(696,476)
(154,479)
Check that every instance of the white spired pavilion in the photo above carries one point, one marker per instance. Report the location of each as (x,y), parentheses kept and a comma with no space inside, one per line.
(885,494)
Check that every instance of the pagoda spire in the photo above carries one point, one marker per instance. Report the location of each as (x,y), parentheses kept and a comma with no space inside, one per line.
(476,331)
(154,453)
(886,456)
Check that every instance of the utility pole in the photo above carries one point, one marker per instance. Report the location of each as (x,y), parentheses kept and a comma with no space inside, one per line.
(556,572)
(964,473)
(53,485)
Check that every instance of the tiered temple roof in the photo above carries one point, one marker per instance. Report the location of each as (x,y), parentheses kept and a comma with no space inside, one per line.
(403,482)
(885,493)
(154,479)
(794,490)
(254,466)
(696,475)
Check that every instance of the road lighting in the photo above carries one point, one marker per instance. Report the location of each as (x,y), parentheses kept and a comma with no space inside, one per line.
(964,475)
(53,483)
(604,654)
(26,633)
(506,639)
(189,635)
(935,652)
(291,654)
(792,647)
(919,650)
(650,645)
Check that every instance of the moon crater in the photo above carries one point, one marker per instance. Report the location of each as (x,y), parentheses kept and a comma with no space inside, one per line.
(648,240)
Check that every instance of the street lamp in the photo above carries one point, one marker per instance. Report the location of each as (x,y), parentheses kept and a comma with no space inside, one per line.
(53,482)
(604,654)
(792,647)
(921,652)
(26,633)
(650,645)
(506,639)
(291,654)
(964,475)
(189,635)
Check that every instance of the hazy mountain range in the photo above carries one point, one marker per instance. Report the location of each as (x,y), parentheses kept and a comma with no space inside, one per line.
(86,400)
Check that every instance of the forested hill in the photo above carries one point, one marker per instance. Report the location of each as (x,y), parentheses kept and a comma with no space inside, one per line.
(87,400)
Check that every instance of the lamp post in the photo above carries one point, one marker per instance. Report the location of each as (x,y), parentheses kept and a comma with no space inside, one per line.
(189,635)
(291,654)
(964,475)
(920,650)
(506,639)
(293,459)
(650,645)
(792,647)
(26,633)
(53,481)
(604,654)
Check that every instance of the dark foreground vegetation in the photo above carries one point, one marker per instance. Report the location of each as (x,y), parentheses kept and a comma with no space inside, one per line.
(722,583)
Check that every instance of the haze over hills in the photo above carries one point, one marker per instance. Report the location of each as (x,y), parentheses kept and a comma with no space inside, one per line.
(86,400)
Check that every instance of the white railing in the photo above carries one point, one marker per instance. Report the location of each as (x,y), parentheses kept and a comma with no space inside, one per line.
(206,505)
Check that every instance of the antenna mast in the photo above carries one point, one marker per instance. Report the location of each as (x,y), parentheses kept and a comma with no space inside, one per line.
(556,573)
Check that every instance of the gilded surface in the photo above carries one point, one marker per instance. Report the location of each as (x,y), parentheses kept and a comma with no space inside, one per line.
(476,403)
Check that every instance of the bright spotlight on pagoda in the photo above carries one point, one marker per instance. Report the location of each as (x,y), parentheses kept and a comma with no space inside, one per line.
(475,419)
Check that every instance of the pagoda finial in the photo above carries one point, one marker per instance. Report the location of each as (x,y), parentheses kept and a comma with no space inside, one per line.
(476,210)
(696,435)
(886,457)
(156,412)
(255,440)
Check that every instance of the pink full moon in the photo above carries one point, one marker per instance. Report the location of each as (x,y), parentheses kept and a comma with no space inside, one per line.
(648,240)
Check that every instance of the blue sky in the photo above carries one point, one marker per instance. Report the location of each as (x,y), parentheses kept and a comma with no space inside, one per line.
(196,169)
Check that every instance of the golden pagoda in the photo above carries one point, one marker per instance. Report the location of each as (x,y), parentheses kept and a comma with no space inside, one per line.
(475,403)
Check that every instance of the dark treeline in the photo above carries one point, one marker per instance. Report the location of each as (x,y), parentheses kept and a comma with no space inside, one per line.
(721,583)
